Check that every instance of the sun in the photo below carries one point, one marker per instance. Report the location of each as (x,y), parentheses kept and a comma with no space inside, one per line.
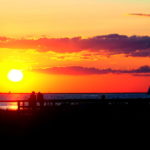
(15,75)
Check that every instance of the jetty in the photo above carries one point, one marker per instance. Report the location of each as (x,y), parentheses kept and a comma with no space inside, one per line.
(24,105)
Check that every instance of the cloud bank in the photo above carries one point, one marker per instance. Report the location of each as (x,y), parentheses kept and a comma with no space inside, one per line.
(110,44)
(77,70)
(140,14)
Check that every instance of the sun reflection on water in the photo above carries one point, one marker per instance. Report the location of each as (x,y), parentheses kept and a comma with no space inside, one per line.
(9,106)
(12,106)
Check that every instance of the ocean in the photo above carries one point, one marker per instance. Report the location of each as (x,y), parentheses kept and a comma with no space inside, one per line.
(61,96)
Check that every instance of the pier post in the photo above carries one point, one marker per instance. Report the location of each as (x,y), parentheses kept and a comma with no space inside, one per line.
(18,106)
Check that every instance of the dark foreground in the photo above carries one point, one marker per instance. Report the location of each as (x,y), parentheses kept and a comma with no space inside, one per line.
(57,121)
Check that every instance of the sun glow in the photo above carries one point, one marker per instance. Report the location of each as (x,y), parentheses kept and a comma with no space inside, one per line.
(15,75)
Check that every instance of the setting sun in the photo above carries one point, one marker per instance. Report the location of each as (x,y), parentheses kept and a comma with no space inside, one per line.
(15,75)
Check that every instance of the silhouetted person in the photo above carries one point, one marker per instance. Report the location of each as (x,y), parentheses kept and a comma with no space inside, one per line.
(32,100)
(40,99)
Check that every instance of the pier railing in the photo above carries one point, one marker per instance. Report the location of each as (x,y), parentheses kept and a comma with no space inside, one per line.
(26,104)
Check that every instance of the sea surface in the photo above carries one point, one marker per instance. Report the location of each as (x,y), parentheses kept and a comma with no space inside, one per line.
(62,96)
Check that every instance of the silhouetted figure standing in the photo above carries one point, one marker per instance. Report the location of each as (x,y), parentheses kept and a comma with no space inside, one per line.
(40,99)
(32,100)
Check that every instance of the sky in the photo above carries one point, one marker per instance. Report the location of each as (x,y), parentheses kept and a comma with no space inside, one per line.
(75,46)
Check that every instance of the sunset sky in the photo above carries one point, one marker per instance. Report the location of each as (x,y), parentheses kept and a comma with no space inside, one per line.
(75,45)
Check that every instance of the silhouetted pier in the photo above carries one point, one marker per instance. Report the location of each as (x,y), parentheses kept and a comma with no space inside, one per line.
(25,104)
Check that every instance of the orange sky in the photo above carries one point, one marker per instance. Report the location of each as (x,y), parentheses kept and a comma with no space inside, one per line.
(37,35)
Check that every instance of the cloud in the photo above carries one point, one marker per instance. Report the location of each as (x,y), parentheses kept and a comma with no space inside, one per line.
(138,46)
(140,14)
(142,75)
(142,69)
(78,70)
(4,38)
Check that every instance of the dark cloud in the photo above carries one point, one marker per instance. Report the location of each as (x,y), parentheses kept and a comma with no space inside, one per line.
(143,69)
(111,44)
(77,70)
(140,14)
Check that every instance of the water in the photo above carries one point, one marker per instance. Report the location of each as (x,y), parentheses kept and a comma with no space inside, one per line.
(61,96)
(49,96)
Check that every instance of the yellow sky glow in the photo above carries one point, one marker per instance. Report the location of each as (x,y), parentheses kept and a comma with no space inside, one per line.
(69,18)
(31,19)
